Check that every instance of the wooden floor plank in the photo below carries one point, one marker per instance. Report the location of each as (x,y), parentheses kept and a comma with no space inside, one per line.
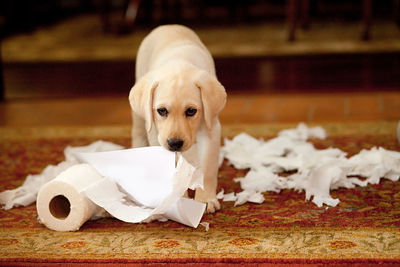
(240,108)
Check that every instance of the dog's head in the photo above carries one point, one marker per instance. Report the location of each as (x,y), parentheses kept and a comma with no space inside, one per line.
(177,101)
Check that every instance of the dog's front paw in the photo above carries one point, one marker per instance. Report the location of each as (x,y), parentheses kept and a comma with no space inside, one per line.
(213,205)
(212,202)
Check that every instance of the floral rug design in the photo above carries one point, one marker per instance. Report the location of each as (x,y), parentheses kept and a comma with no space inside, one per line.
(363,228)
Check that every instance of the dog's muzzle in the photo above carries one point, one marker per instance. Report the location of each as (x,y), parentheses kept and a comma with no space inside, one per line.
(175,144)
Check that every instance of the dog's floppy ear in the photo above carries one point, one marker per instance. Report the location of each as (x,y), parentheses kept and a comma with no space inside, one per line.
(213,96)
(141,99)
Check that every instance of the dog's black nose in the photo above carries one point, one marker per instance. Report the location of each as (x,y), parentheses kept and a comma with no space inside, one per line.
(175,144)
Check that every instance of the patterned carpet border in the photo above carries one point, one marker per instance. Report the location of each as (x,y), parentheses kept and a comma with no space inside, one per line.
(175,244)
(202,262)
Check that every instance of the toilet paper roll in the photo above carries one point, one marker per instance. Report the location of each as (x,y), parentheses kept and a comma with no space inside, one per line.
(61,203)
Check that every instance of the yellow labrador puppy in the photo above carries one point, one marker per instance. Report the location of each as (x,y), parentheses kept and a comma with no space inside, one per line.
(176,101)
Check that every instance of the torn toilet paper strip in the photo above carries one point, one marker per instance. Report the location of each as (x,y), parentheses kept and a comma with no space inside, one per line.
(317,170)
(144,173)
(152,188)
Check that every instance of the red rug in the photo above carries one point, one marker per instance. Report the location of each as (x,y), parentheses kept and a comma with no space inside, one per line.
(363,229)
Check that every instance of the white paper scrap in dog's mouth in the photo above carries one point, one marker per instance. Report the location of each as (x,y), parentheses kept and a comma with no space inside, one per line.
(145,173)
(142,184)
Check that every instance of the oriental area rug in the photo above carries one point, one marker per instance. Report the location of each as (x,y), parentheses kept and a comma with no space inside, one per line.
(363,229)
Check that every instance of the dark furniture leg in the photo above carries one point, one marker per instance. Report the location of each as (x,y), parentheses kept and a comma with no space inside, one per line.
(305,14)
(291,17)
(128,19)
(367,16)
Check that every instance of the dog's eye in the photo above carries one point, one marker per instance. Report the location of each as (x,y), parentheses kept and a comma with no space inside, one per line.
(190,112)
(163,112)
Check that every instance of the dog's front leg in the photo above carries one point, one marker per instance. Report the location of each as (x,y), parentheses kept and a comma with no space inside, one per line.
(139,134)
(208,149)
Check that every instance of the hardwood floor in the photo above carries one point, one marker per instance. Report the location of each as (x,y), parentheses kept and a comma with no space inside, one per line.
(260,90)
(240,108)
(318,73)
(81,38)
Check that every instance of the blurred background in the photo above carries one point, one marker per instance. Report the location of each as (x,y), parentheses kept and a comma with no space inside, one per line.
(59,49)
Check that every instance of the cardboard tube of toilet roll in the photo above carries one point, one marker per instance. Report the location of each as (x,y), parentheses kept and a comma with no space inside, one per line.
(61,203)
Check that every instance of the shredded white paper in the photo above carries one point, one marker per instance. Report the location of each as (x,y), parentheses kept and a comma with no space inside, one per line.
(317,170)
(206,225)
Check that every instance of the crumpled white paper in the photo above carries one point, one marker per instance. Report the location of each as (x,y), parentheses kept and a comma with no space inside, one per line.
(26,194)
(246,195)
(318,170)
